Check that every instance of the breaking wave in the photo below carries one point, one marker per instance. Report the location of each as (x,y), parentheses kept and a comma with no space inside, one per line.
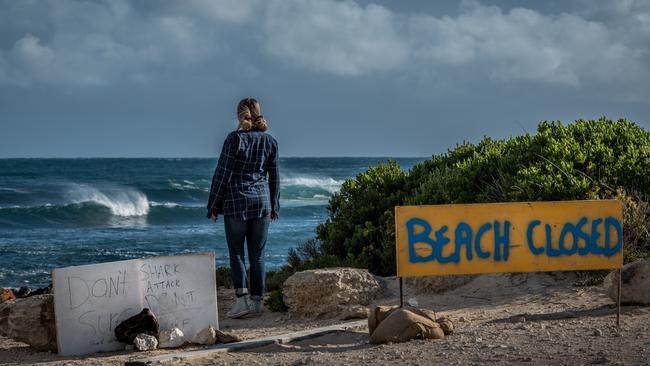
(120,201)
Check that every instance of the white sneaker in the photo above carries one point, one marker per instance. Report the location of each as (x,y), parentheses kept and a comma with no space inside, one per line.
(257,307)
(240,308)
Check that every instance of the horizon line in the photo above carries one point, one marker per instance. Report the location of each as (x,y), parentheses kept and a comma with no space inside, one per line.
(211,157)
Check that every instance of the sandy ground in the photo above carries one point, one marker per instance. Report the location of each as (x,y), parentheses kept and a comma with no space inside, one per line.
(530,319)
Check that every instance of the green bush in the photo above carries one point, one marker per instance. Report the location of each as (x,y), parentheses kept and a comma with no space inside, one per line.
(275,301)
(588,159)
(224,277)
(359,215)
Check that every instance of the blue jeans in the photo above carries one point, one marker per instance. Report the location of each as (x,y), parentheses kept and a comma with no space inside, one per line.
(254,232)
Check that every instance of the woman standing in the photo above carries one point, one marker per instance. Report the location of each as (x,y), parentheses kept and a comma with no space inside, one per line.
(246,191)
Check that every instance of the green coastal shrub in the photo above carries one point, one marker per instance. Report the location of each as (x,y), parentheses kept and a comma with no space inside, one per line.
(359,217)
(275,301)
(224,277)
(588,159)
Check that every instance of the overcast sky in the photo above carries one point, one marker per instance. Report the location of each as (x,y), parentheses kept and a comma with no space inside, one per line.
(335,78)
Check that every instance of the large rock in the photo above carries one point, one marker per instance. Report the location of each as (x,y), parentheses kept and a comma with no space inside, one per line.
(437,284)
(30,320)
(143,323)
(330,292)
(635,283)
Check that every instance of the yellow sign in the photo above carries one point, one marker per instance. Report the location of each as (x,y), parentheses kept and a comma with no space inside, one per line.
(508,237)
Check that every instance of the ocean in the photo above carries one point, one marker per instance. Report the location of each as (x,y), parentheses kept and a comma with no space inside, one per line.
(67,212)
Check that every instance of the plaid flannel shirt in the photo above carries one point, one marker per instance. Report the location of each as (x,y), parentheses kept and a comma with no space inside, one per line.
(240,186)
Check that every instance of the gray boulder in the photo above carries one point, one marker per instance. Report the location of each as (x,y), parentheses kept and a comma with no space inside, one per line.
(635,283)
(331,292)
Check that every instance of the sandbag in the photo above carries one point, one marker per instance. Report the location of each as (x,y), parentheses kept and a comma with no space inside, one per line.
(446,325)
(391,324)
(378,315)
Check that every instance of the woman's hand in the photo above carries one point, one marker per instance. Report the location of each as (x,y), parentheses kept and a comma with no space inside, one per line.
(274,215)
(213,217)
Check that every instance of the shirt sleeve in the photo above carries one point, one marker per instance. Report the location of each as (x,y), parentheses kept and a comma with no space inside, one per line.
(222,175)
(274,179)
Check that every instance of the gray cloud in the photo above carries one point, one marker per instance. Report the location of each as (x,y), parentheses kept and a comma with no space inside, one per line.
(342,38)
(97,43)
(93,43)
(522,44)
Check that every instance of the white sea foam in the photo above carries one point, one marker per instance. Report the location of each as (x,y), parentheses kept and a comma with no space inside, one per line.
(122,201)
(327,183)
(14,190)
(183,185)
(164,204)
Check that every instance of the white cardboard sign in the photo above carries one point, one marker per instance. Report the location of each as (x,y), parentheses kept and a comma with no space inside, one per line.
(91,300)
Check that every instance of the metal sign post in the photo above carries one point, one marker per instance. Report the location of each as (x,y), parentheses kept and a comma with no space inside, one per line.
(618,301)
(401,292)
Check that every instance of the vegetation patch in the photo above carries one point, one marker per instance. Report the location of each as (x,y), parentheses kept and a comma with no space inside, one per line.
(588,159)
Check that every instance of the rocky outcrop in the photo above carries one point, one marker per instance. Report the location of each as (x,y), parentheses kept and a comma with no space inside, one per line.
(143,323)
(437,284)
(331,292)
(30,320)
(6,295)
(635,283)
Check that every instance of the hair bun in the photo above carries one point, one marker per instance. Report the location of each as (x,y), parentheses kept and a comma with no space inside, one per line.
(260,123)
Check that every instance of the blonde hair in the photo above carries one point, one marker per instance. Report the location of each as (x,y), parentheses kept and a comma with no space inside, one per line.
(250,116)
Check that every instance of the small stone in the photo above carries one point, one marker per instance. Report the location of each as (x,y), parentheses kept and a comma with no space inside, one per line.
(23,292)
(598,333)
(207,336)
(478,339)
(519,319)
(225,337)
(6,295)
(145,342)
(462,319)
(412,302)
(171,338)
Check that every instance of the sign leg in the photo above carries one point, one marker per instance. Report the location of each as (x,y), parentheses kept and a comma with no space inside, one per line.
(618,300)
(401,293)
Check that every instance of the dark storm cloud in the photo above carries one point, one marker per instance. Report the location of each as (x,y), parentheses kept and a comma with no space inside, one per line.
(157,78)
